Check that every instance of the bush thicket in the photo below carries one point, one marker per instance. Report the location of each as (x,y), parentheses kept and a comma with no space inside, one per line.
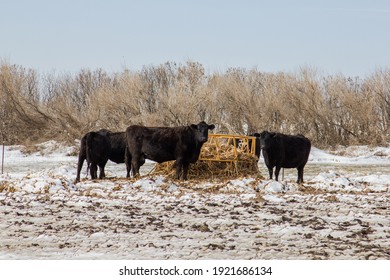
(330,110)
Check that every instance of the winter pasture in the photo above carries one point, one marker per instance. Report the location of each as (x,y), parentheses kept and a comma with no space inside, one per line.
(342,211)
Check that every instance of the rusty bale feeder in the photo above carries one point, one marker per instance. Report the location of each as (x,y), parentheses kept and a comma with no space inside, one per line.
(223,155)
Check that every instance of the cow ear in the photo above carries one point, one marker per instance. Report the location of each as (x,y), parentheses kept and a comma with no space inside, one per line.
(211,126)
(256,134)
(262,134)
(194,126)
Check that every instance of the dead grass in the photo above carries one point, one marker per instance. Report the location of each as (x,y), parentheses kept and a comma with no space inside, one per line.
(7,187)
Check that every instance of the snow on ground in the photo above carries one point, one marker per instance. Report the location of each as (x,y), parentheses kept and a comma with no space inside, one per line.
(352,155)
(340,212)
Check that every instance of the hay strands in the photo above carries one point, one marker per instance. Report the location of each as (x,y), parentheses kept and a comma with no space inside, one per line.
(223,155)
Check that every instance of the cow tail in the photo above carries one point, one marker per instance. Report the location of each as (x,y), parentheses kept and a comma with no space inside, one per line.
(87,167)
(88,149)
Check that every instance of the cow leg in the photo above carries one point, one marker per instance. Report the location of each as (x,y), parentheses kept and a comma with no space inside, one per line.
(128,170)
(277,170)
(93,170)
(300,175)
(179,168)
(270,171)
(135,168)
(135,164)
(82,157)
(185,170)
(101,174)
(141,160)
(128,162)
(101,168)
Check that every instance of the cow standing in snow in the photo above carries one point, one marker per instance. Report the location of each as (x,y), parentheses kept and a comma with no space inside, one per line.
(287,151)
(162,144)
(99,147)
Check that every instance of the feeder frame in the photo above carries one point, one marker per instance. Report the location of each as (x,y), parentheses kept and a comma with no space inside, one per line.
(233,140)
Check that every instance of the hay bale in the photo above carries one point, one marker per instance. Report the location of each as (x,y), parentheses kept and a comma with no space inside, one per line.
(209,169)
(216,161)
(226,152)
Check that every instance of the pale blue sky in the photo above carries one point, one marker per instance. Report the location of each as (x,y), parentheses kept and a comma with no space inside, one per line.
(349,37)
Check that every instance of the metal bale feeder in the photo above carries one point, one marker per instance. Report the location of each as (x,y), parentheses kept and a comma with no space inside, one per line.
(223,155)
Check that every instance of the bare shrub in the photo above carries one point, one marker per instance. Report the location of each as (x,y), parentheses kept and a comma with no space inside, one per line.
(116,107)
(21,110)
(329,110)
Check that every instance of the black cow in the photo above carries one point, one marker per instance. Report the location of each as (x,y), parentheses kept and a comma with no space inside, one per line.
(162,144)
(99,147)
(287,151)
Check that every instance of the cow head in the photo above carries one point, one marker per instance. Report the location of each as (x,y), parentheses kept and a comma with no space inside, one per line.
(201,131)
(265,139)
